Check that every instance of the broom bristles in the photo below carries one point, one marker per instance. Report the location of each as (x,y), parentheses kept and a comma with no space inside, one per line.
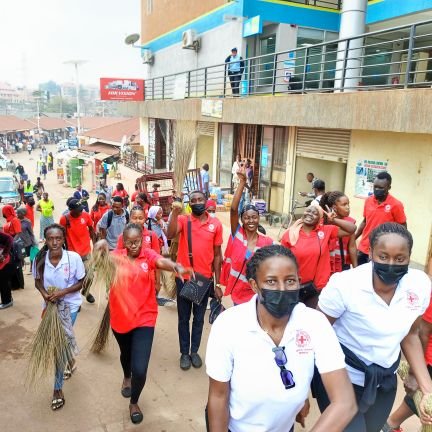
(101,339)
(50,348)
(185,137)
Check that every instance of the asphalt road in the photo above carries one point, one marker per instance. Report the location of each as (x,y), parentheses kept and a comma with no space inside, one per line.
(172,400)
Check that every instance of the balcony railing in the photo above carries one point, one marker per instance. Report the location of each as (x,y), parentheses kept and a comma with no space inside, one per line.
(328,4)
(396,58)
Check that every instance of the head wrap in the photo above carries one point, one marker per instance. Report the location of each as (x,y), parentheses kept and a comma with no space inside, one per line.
(153,211)
(210,203)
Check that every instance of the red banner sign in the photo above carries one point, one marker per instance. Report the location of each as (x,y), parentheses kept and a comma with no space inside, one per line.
(122,89)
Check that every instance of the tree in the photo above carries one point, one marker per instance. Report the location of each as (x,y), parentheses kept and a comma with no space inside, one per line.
(58,104)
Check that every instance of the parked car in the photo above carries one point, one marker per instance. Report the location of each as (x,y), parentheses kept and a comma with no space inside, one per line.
(9,190)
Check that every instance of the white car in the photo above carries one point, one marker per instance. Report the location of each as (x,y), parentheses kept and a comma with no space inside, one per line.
(63,145)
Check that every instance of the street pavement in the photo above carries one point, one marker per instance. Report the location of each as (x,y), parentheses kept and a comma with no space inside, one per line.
(172,400)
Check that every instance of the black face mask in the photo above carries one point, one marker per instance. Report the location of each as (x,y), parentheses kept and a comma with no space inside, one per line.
(198,209)
(380,193)
(390,274)
(279,303)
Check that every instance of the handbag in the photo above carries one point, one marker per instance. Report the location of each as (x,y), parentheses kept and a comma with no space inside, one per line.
(197,287)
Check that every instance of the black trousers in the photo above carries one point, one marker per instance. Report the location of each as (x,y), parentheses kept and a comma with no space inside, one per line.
(135,349)
(188,343)
(362,258)
(235,79)
(370,421)
(6,274)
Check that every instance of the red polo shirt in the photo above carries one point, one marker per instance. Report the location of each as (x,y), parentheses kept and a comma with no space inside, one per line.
(313,253)
(150,241)
(375,213)
(428,318)
(77,233)
(205,236)
(132,300)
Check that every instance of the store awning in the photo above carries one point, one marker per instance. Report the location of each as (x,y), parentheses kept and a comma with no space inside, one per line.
(101,148)
(102,156)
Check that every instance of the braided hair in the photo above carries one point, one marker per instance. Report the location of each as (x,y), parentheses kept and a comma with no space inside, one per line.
(131,227)
(41,255)
(136,208)
(265,253)
(329,199)
(390,228)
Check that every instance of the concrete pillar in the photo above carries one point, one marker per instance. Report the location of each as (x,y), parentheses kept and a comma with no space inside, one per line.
(353,23)
(144,134)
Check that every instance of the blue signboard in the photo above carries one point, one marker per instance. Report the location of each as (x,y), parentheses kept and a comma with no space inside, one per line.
(252,26)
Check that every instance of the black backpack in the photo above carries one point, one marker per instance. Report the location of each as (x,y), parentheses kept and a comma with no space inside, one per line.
(111,215)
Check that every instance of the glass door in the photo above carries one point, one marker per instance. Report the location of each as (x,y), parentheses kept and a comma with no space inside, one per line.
(226,146)
(266,164)
(267,46)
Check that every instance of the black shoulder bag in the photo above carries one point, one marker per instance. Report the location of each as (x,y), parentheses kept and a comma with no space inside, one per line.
(197,287)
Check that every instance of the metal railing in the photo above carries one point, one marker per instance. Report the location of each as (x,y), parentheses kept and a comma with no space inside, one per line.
(327,4)
(388,59)
(139,162)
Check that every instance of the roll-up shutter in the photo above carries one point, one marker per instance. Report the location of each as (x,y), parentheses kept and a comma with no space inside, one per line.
(327,144)
(206,128)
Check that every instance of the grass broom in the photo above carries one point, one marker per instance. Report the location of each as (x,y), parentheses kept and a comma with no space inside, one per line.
(50,347)
(403,372)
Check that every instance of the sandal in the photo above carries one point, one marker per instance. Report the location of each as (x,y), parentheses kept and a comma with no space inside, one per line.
(68,371)
(126,390)
(57,403)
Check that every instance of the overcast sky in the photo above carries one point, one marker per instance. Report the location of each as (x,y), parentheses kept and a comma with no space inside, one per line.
(37,36)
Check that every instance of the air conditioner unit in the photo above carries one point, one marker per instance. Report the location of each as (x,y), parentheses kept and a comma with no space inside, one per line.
(190,40)
(147,57)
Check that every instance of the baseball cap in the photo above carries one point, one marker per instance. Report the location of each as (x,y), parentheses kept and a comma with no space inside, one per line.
(75,204)
(234,49)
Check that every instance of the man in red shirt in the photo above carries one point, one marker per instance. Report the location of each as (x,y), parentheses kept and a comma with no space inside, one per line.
(407,407)
(79,232)
(207,259)
(30,210)
(379,208)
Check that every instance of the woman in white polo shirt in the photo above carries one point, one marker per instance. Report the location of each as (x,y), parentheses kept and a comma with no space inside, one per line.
(261,355)
(375,309)
(55,266)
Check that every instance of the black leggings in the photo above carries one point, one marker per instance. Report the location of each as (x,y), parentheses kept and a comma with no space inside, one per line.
(135,349)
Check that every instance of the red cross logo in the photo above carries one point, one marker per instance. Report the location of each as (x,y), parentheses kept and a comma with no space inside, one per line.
(302,339)
(412,298)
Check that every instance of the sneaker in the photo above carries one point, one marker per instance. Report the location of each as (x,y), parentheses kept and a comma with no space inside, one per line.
(90,298)
(162,301)
(6,305)
(196,360)
(388,428)
(185,362)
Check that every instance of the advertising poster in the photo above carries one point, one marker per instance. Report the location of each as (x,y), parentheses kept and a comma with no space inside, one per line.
(122,89)
(366,171)
(211,108)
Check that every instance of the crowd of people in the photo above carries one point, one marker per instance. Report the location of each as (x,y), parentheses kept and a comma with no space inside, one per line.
(313,312)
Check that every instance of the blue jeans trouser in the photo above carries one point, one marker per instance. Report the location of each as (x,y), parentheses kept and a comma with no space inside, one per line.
(58,383)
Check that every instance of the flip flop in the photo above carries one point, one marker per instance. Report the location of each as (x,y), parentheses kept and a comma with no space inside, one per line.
(57,403)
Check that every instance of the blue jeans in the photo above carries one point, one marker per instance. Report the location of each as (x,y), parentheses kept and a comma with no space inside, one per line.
(58,383)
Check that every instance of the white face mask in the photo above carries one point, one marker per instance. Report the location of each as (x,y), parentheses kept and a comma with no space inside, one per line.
(212,215)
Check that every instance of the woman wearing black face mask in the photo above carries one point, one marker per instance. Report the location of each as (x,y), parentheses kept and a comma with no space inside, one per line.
(376,309)
(261,356)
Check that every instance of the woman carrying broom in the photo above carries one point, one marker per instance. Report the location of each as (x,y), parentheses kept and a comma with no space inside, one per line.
(54,266)
(133,309)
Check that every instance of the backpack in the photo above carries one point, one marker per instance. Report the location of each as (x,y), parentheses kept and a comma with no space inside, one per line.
(111,215)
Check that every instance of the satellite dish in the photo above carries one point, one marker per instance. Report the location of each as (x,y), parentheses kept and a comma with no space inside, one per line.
(132,39)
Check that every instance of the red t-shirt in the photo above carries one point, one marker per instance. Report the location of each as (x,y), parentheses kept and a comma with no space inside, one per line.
(427,316)
(77,233)
(134,195)
(335,250)
(205,236)
(313,253)
(391,210)
(238,256)
(150,241)
(132,300)
(97,215)
(122,193)
(30,214)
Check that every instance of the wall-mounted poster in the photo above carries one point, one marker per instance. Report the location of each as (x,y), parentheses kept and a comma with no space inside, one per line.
(366,171)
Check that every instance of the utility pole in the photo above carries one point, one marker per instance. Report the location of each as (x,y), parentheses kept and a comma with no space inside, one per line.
(76,64)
